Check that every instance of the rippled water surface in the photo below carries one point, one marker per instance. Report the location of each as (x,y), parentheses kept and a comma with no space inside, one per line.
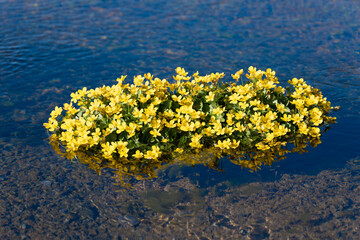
(49,49)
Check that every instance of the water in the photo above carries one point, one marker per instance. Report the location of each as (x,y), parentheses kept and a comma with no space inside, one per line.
(49,49)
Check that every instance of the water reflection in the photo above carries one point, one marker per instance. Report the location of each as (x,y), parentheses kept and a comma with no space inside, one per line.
(128,171)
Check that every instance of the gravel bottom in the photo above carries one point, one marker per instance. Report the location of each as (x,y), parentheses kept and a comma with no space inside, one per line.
(43,196)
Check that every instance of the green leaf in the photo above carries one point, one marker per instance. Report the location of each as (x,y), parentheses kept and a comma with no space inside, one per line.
(103,123)
(165,105)
(206,108)
(111,137)
(131,144)
(198,104)
(183,140)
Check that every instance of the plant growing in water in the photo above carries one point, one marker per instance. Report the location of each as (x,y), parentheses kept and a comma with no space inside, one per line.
(137,127)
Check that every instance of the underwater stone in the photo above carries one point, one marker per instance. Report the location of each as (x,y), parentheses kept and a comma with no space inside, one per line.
(130,220)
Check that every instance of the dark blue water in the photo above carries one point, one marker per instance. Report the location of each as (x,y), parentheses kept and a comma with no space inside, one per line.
(49,49)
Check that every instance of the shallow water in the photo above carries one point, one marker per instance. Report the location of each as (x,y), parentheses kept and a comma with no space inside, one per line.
(49,49)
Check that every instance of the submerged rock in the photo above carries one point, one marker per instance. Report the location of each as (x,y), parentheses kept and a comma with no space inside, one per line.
(129,220)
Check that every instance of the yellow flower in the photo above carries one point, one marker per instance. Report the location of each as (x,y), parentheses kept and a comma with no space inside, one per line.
(195,141)
(218,110)
(294,81)
(229,120)
(176,98)
(151,110)
(208,131)
(269,137)
(234,98)
(235,144)
(240,72)
(261,107)
(118,125)
(144,99)
(108,149)
(183,91)
(155,123)
(311,100)
(299,103)
(255,118)
(304,112)
(138,113)
(279,89)
(280,131)
(51,125)
(138,80)
(155,133)
(281,107)
(138,154)
(255,102)
(210,97)
(239,127)
(181,71)
(120,80)
(243,105)
(314,132)
(218,128)
(122,149)
(297,118)
(252,72)
(156,101)
(286,117)
(315,112)
(239,115)
(148,76)
(153,154)
(130,129)
(170,124)
(223,144)
(303,128)
(235,76)
(56,112)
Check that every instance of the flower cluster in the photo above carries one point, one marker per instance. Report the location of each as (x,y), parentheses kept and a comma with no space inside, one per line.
(152,119)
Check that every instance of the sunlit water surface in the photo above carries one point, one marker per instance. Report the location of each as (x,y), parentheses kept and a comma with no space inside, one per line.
(49,49)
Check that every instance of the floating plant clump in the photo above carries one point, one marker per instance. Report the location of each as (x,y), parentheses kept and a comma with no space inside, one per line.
(139,127)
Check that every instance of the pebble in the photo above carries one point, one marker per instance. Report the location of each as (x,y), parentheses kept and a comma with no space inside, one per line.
(130,220)
(47,183)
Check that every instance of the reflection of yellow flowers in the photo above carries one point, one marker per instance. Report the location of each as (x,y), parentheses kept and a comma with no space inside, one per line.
(314,132)
(179,150)
(261,146)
